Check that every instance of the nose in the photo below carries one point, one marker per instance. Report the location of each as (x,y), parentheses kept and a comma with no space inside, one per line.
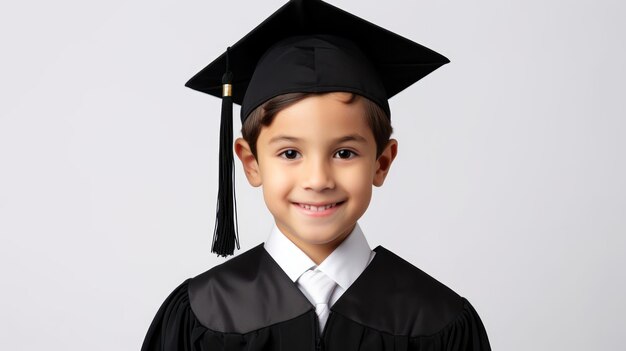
(318,174)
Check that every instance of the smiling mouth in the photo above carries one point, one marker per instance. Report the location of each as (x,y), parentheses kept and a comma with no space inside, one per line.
(318,208)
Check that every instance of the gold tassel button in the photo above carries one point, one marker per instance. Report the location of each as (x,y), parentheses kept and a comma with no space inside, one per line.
(227,90)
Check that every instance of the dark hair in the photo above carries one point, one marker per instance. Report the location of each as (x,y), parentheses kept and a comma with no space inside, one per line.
(263,115)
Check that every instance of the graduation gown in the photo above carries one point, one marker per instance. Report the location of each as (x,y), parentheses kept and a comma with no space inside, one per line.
(249,303)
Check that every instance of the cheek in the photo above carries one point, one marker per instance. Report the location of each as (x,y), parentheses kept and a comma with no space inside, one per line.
(276,181)
(358,182)
(361,188)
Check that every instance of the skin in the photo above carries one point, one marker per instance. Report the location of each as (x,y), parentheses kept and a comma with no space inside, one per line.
(302,159)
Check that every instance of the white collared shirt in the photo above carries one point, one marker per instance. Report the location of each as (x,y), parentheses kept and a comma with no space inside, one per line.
(344,265)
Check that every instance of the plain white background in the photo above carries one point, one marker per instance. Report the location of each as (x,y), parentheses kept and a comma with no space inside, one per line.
(509,184)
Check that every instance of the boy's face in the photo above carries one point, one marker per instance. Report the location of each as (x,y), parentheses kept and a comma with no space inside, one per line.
(317,164)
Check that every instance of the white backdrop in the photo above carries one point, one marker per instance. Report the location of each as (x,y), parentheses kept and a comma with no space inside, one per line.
(509,184)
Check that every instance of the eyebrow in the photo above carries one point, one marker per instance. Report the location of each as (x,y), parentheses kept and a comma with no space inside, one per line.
(350,137)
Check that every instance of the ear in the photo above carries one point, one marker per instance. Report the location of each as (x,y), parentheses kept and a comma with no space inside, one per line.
(384,162)
(248,161)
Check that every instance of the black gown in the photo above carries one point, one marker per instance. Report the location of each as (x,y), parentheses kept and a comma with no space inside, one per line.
(249,303)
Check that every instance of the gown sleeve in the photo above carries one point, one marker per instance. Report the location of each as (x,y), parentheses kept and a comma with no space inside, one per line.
(173,326)
(465,333)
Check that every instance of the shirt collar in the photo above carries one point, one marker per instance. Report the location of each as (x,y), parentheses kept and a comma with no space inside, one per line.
(343,265)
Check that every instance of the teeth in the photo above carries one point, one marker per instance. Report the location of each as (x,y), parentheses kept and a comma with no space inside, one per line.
(317,208)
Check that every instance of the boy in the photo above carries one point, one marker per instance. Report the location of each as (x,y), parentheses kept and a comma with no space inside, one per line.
(316,125)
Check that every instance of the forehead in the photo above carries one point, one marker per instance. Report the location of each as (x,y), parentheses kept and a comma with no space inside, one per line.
(320,117)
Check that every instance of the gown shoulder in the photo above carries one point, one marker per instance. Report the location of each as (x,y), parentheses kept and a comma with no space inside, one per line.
(465,332)
(237,300)
(172,327)
(394,297)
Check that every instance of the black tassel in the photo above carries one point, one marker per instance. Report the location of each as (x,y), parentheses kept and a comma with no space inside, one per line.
(226,230)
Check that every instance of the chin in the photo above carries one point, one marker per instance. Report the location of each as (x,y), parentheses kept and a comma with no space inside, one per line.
(316,239)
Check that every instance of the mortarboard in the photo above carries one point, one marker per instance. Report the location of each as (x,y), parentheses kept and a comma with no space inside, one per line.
(305,46)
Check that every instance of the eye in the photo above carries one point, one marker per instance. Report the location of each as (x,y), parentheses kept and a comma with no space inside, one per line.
(345,153)
(290,154)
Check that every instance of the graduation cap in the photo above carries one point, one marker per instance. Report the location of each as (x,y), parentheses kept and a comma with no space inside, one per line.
(305,46)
